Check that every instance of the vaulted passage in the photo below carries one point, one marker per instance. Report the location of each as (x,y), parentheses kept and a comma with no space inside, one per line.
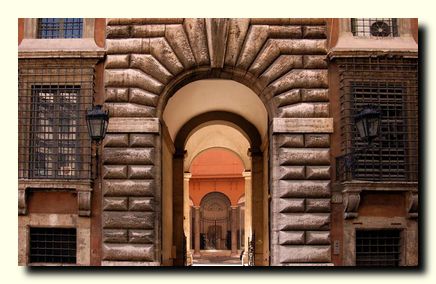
(167,81)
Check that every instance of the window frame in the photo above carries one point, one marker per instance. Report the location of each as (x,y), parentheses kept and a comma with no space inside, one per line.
(62,29)
(394,29)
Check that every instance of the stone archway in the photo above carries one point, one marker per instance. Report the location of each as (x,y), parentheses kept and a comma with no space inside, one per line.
(282,60)
(255,187)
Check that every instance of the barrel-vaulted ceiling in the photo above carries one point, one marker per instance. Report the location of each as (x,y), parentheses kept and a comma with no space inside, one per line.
(282,60)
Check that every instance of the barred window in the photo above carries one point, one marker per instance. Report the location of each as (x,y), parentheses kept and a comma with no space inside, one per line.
(60,28)
(374,27)
(379,248)
(52,245)
(53,138)
(390,85)
(55,116)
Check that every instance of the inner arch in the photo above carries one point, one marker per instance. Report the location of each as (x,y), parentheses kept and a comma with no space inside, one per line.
(210,95)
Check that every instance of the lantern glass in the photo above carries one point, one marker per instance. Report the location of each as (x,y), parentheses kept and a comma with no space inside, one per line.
(97,122)
(367,123)
(373,123)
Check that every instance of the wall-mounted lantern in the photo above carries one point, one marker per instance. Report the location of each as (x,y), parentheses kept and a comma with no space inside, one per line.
(368,123)
(97,121)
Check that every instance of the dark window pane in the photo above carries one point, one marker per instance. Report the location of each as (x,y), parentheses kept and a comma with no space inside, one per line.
(378,248)
(53,245)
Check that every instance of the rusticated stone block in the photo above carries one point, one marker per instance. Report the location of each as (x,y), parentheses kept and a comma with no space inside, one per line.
(296,140)
(300,78)
(317,205)
(304,188)
(292,172)
(288,98)
(315,61)
(176,33)
(291,238)
(115,203)
(304,156)
(317,140)
(318,237)
(132,45)
(115,236)
(315,95)
(128,252)
(117,61)
(305,110)
(129,188)
(117,95)
(128,220)
(132,78)
(114,172)
(302,125)
(302,46)
(318,172)
(144,21)
(117,31)
(130,110)
(303,254)
(116,140)
(141,140)
(284,31)
(141,204)
(275,67)
(162,51)
(150,65)
(314,32)
(290,205)
(141,236)
(139,96)
(145,31)
(132,156)
(141,172)
(303,221)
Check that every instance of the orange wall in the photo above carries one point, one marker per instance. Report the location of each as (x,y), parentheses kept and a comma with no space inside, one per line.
(216,170)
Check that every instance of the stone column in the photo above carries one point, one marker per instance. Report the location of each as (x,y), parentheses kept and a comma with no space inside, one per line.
(186,212)
(197,230)
(247,217)
(234,229)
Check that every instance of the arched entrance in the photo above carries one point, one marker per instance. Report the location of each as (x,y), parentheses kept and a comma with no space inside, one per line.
(245,137)
(162,73)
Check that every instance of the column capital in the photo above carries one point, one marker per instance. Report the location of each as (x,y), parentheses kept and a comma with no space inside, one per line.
(234,207)
(246,174)
(187,175)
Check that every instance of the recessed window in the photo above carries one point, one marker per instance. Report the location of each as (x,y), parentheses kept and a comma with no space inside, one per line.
(390,86)
(378,248)
(53,245)
(53,140)
(60,28)
(374,27)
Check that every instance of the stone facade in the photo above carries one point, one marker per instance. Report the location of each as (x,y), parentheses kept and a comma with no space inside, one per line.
(290,65)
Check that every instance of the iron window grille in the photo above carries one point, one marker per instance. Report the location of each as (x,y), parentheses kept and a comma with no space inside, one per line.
(379,248)
(53,245)
(60,28)
(391,86)
(374,27)
(53,138)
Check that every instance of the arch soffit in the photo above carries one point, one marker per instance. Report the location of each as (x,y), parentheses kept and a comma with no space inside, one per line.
(243,125)
(217,137)
(191,161)
(213,95)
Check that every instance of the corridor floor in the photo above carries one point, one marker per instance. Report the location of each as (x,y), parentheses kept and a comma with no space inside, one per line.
(216,258)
